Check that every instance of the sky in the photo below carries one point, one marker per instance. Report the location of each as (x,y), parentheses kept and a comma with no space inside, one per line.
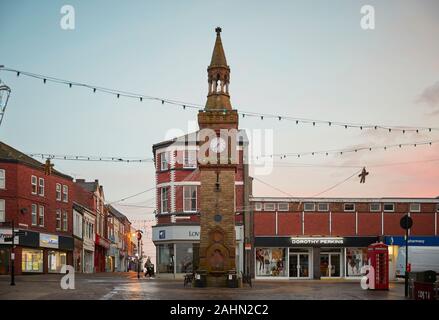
(307,59)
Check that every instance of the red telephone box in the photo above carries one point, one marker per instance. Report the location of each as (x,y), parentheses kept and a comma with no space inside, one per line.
(378,256)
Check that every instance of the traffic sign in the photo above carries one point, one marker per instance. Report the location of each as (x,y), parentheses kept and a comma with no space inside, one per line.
(406,222)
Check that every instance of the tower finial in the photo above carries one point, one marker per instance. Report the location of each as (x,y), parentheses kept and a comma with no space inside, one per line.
(218,30)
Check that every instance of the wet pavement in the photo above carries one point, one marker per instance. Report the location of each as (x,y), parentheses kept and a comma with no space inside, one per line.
(126,286)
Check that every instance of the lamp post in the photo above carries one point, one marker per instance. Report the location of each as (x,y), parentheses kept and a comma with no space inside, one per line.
(139,237)
(5,92)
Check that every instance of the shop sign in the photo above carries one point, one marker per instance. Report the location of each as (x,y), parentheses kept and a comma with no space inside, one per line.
(413,241)
(49,241)
(183,233)
(7,233)
(317,241)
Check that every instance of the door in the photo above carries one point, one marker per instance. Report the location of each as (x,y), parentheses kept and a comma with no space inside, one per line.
(299,265)
(330,265)
(4,260)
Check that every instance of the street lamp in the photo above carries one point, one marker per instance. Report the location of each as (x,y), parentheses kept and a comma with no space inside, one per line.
(139,237)
(5,92)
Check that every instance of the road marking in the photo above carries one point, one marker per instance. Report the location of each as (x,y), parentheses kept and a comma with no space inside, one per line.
(109,295)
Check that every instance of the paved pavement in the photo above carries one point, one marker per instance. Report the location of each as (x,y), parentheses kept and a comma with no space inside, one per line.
(126,286)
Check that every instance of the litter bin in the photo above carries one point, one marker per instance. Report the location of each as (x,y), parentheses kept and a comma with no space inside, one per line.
(232,281)
(421,285)
(200,280)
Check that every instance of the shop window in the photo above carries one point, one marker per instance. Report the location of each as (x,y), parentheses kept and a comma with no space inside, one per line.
(349,207)
(269,207)
(282,206)
(309,206)
(415,207)
(58,192)
(184,257)
(41,187)
(389,207)
(65,193)
(56,260)
(271,262)
(190,198)
(356,258)
(33,181)
(323,207)
(164,200)
(164,161)
(2,179)
(2,210)
(375,207)
(165,259)
(190,159)
(258,206)
(32,260)
(34,214)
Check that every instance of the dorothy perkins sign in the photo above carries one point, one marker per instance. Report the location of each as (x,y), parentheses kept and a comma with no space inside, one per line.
(317,241)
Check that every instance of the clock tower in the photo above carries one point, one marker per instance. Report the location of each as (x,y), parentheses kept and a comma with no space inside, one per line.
(218,124)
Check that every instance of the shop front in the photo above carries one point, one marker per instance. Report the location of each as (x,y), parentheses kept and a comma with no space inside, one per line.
(310,257)
(423,254)
(43,253)
(5,250)
(100,253)
(178,249)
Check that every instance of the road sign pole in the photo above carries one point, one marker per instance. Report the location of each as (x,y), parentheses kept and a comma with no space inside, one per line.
(406,284)
(13,256)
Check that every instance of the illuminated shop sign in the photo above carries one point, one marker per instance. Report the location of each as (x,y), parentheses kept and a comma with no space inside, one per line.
(48,241)
(317,241)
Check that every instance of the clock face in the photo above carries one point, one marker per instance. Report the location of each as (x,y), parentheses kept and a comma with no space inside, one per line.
(217,145)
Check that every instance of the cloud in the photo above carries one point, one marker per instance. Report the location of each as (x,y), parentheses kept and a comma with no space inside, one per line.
(430,97)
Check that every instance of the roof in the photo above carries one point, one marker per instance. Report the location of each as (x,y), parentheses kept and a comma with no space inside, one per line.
(218,55)
(116,213)
(10,154)
(91,186)
(384,199)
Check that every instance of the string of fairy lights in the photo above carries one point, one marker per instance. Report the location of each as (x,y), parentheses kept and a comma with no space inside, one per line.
(188,105)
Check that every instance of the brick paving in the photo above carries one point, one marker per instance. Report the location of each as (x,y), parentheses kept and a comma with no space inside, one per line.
(126,286)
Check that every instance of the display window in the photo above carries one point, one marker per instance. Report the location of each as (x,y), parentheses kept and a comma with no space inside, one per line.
(32,260)
(56,260)
(187,257)
(165,258)
(271,262)
(356,258)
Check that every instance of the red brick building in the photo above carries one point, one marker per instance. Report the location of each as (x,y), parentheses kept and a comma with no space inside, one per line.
(40,204)
(312,238)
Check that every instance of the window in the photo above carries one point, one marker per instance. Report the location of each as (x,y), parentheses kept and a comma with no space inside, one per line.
(190,159)
(55,261)
(189,198)
(34,214)
(272,262)
(2,210)
(323,206)
(32,260)
(415,207)
(389,207)
(437,207)
(269,207)
(33,181)
(2,179)
(58,219)
(349,207)
(65,224)
(58,192)
(258,206)
(41,186)
(282,206)
(375,207)
(65,193)
(309,206)
(164,161)
(41,217)
(164,200)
